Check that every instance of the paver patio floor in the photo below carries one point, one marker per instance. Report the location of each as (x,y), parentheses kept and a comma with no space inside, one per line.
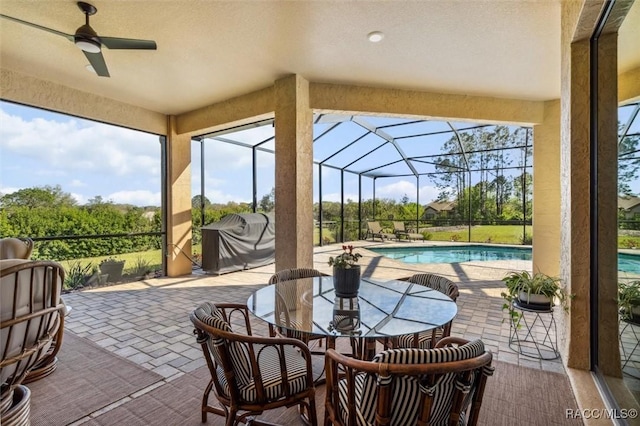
(148,323)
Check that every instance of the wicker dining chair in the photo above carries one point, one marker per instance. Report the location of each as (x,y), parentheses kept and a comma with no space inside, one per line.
(428,339)
(31,314)
(283,314)
(440,386)
(251,374)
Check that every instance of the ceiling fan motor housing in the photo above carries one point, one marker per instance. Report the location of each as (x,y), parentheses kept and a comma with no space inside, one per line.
(87,39)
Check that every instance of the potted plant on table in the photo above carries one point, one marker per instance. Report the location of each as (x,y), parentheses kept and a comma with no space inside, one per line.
(536,292)
(346,272)
(629,301)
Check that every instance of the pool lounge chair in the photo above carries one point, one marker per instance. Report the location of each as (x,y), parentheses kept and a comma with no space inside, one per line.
(402,232)
(375,230)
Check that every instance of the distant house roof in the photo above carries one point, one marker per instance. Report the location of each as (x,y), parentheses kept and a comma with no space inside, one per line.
(441,206)
(627,203)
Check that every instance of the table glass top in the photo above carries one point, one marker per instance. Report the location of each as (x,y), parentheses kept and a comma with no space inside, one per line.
(390,308)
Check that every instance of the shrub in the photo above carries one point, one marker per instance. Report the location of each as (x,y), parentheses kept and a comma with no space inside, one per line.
(141,267)
(628,243)
(427,235)
(455,237)
(77,274)
(527,239)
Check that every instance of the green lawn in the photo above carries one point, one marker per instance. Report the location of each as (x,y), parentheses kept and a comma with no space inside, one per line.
(152,258)
(496,234)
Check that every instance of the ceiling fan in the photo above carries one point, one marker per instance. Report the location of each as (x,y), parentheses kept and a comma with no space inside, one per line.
(90,42)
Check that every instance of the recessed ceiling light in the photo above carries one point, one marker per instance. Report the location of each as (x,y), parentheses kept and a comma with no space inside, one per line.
(375,36)
(89,67)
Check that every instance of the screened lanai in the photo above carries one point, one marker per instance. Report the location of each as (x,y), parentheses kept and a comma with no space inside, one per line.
(357,159)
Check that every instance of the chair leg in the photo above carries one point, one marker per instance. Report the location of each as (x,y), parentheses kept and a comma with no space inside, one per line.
(231,416)
(313,417)
(205,400)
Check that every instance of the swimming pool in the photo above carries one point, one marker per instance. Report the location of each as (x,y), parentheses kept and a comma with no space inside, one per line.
(457,254)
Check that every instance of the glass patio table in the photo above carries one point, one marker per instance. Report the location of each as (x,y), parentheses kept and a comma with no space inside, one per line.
(382,309)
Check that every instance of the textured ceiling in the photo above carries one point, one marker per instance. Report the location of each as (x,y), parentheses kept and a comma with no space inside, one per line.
(209,51)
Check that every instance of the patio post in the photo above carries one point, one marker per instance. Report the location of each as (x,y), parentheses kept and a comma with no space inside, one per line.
(320,211)
(179,232)
(294,173)
(359,206)
(341,206)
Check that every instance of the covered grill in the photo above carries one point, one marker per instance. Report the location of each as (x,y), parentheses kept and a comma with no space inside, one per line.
(238,241)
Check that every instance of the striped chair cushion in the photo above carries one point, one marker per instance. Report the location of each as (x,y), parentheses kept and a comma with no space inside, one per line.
(344,402)
(209,314)
(439,283)
(294,274)
(269,364)
(424,339)
(407,390)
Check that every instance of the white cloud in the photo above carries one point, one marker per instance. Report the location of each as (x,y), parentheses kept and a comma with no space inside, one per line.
(393,191)
(80,145)
(80,199)
(221,197)
(397,190)
(428,194)
(138,198)
(8,190)
(91,158)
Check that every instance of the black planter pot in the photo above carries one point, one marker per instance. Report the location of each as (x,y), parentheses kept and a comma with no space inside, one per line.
(346,281)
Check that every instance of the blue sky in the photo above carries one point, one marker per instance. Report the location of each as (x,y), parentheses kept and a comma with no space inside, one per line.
(87,159)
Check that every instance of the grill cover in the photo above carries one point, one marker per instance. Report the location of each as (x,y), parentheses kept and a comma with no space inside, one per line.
(238,241)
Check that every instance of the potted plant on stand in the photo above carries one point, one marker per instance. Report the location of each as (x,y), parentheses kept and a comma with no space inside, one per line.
(346,272)
(535,292)
(629,301)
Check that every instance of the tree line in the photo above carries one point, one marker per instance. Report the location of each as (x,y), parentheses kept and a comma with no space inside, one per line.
(48,211)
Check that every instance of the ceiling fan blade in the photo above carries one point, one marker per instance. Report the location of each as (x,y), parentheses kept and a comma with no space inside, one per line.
(40,27)
(127,43)
(97,62)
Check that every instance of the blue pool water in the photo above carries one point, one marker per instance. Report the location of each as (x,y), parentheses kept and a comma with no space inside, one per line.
(457,254)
